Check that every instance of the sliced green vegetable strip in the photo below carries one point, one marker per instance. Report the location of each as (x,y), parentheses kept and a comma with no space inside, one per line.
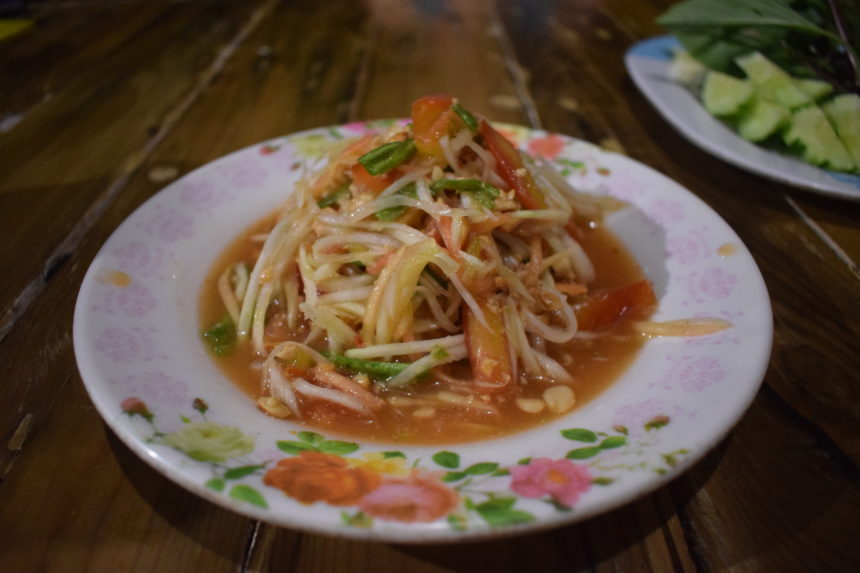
(483,193)
(221,336)
(380,370)
(466,116)
(333,197)
(386,157)
(392,213)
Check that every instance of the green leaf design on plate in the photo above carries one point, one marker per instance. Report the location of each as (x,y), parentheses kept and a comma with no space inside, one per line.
(241,471)
(501,472)
(583,453)
(498,512)
(447,459)
(481,468)
(524,461)
(294,448)
(310,437)
(657,422)
(337,448)
(216,483)
(358,519)
(580,435)
(457,522)
(393,454)
(453,476)
(613,442)
(248,494)
(602,481)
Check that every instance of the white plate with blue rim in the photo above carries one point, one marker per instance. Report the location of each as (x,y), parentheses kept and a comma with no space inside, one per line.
(648,64)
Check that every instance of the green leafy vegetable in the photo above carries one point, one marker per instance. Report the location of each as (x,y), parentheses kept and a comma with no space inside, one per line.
(392,213)
(810,38)
(221,336)
(483,193)
(373,368)
(333,197)
(388,156)
(466,116)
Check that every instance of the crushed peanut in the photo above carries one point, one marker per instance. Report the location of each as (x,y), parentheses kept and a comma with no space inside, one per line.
(424,412)
(559,399)
(530,405)
(274,407)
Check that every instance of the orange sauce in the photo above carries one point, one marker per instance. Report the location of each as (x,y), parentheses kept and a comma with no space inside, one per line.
(594,362)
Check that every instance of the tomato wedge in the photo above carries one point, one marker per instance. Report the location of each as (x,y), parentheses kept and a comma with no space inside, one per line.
(603,309)
(374,183)
(489,354)
(432,117)
(511,167)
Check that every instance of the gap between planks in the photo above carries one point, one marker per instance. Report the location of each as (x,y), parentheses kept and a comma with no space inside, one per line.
(132,164)
(825,238)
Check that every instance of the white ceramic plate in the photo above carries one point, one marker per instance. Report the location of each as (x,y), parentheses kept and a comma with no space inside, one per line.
(648,65)
(142,360)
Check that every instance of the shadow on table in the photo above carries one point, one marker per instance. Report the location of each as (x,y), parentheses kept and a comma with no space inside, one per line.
(218,530)
(643,524)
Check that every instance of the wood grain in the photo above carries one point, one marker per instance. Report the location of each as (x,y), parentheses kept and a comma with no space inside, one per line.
(780,493)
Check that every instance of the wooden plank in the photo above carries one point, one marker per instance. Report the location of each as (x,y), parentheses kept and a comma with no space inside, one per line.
(422,48)
(98,120)
(777,496)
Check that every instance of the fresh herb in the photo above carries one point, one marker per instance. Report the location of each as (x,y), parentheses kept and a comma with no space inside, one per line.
(483,193)
(373,368)
(388,156)
(808,38)
(221,336)
(334,197)
(392,213)
(466,116)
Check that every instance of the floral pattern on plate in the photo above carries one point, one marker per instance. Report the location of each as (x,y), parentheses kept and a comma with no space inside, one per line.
(369,484)
(139,351)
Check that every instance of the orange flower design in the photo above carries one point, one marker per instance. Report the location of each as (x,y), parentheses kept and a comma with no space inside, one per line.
(548,147)
(314,476)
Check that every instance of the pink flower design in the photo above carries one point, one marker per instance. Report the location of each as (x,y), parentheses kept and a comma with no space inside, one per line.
(549,146)
(169,225)
(421,497)
(711,284)
(134,301)
(161,387)
(665,213)
(688,248)
(563,480)
(138,258)
(635,416)
(696,374)
(244,173)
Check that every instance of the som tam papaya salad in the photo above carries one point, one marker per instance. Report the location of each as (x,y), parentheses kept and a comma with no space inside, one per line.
(430,283)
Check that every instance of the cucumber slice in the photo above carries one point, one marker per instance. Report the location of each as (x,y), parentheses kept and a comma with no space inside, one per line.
(843,111)
(686,69)
(816,89)
(814,136)
(761,119)
(724,95)
(772,82)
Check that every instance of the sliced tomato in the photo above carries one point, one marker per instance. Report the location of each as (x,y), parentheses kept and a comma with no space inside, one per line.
(432,117)
(489,354)
(511,167)
(374,183)
(602,309)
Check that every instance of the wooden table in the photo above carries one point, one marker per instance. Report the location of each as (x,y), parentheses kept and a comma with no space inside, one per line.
(103,103)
